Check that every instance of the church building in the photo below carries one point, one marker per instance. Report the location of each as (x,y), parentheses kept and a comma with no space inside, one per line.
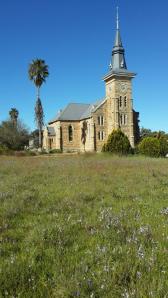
(86,127)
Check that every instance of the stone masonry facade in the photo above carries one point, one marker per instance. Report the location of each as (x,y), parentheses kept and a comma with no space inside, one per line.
(66,132)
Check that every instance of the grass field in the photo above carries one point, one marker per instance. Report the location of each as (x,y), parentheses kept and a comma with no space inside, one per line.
(83,226)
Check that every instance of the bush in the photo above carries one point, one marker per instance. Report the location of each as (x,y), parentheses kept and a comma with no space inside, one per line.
(14,137)
(3,150)
(42,152)
(30,153)
(163,146)
(53,151)
(150,146)
(117,143)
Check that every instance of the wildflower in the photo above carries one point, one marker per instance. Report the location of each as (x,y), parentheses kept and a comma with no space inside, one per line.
(125,294)
(164,211)
(139,274)
(140,252)
(106,268)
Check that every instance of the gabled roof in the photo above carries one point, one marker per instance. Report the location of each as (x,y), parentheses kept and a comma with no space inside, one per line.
(76,112)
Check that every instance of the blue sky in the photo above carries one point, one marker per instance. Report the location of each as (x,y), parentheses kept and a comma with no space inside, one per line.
(75,38)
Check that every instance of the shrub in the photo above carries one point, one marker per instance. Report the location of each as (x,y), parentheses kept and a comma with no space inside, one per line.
(117,143)
(52,151)
(20,153)
(163,146)
(3,150)
(42,152)
(150,146)
(30,153)
(12,136)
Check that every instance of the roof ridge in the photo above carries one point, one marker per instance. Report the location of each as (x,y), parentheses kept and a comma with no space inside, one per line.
(78,103)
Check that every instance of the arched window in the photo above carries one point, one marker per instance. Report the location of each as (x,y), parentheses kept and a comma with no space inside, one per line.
(125,101)
(100,120)
(125,119)
(101,135)
(120,101)
(121,119)
(70,133)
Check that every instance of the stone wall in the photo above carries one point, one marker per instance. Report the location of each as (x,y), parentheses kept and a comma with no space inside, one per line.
(99,127)
(117,89)
(66,144)
(115,112)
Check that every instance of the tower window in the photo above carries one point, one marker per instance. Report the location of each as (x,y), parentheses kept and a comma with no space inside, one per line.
(123,119)
(120,101)
(125,101)
(101,135)
(70,133)
(100,120)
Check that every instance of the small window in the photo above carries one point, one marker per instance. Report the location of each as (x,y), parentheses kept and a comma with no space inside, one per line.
(125,101)
(100,120)
(121,119)
(120,101)
(101,135)
(70,133)
(125,119)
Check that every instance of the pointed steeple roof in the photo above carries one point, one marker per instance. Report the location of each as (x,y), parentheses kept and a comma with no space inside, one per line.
(118,52)
(118,41)
(118,64)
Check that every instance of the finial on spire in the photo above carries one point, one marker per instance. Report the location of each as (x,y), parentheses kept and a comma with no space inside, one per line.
(117,19)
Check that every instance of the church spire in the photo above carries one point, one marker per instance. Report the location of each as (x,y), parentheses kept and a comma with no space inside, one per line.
(117,19)
(118,57)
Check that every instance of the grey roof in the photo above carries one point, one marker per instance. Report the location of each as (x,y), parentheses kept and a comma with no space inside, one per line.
(51,131)
(72,112)
(76,111)
(118,65)
(118,53)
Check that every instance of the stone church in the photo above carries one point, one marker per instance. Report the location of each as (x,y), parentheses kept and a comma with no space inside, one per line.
(86,127)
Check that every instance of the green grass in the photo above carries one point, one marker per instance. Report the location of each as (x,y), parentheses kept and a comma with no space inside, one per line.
(83,226)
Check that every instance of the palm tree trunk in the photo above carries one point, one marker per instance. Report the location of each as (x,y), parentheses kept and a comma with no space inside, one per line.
(38,92)
(40,138)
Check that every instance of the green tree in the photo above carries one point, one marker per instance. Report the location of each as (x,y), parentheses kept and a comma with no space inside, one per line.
(150,146)
(145,132)
(38,72)
(14,137)
(117,143)
(163,140)
(13,113)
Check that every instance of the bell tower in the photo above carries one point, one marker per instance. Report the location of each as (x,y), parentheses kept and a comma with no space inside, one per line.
(118,84)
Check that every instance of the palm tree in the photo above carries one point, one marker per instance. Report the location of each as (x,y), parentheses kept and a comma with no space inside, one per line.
(14,116)
(38,72)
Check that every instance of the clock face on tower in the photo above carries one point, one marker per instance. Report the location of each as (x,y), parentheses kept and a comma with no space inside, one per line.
(122,87)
